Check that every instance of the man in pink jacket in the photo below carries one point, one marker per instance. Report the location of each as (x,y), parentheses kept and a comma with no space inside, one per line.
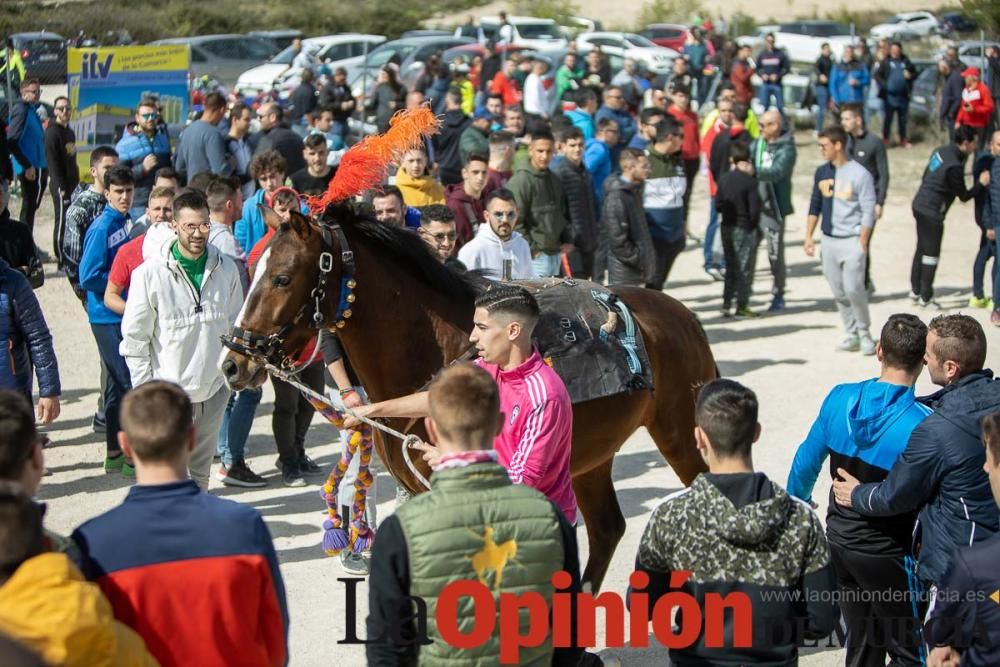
(535,441)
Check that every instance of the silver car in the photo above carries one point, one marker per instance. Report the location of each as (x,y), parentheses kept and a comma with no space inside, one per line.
(223,57)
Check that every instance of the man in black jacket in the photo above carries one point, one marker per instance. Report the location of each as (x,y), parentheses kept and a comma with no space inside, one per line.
(64,174)
(940,473)
(336,96)
(275,135)
(951,93)
(631,259)
(446,142)
(577,185)
(868,150)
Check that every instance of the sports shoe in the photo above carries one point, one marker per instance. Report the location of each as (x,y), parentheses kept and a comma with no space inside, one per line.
(716,273)
(240,474)
(906,143)
(777,304)
(995,318)
(980,302)
(291,476)
(128,470)
(114,463)
(746,312)
(726,311)
(867,345)
(930,304)
(308,467)
(353,563)
(98,423)
(850,344)
(914,298)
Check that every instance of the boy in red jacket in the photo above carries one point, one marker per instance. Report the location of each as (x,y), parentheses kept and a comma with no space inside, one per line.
(977,105)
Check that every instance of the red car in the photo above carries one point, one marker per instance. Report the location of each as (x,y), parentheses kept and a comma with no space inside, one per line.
(671,35)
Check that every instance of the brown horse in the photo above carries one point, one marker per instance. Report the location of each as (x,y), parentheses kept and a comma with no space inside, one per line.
(410,316)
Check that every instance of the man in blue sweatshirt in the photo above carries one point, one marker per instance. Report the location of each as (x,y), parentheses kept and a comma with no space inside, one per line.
(844,196)
(772,66)
(26,140)
(848,79)
(863,427)
(100,245)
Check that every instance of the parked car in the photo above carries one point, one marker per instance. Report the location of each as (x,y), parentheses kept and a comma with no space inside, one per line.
(906,25)
(466,52)
(333,51)
(410,54)
(956,22)
(43,53)
(971,53)
(671,35)
(223,57)
(924,98)
(801,40)
(555,59)
(655,58)
(282,38)
(528,31)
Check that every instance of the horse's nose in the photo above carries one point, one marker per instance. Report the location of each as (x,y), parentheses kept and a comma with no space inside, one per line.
(229,369)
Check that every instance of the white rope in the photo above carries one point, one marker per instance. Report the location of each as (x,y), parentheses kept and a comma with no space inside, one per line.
(408,440)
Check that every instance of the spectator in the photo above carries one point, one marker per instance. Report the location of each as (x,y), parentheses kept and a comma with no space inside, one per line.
(498,251)
(583,115)
(504,82)
(322,124)
(469,491)
(304,58)
(45,603)
(895,79)
(680,109)
(568,77)
(940,473)
(774,156)
(461,84)
(513,122)
(848,80)
(869,151)
(951,93)
(598,156)
(822,88)
(680,74)
(760,542)
(976,109)
(238,149)
(596,71)
(86,207)
(994,210)
(149,554)
(17,247)
(275,135)
(476,135)
(987,234)
(103,240)
(738,202)
(494,105)
(740,76)
(269,170)
(446,143)
(303,100)
(541,206)
(649,118)
(575,181)
(615,108)
(437,229)
(160,342)
(629,84)
(467,200)
(963,621)
(144,148)
(391,210)
(942,182)
(202,147)
(772,66)
(695,51)
(501,158)
(314,179)
(631,258)
(843,196)
(283,202)
(64,174)
(165,178)
(724,123)
(864,427)
(336,96)
(751,124)
(663,198)
(537,98)
(26,141)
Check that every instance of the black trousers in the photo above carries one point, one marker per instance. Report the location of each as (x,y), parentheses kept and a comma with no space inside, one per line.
(739,246)
(666,252)
(60,202)
(690,171)
(31,196)
(293,413)
(881,606)
(581,264)
(930,230)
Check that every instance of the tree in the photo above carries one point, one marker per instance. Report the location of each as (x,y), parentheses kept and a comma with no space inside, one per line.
(667,11)
(985,12)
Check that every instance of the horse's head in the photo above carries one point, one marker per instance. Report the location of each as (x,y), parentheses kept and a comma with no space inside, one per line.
(288,298)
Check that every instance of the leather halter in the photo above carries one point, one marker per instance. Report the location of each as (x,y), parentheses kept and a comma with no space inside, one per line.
(269,348)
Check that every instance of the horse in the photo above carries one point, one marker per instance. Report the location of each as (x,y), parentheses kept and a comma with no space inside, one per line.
(401,315)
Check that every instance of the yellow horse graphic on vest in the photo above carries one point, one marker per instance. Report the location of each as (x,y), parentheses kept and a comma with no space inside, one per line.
(492,556)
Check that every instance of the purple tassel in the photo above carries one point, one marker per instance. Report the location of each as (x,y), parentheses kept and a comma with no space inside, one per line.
(335,540)
(363,540)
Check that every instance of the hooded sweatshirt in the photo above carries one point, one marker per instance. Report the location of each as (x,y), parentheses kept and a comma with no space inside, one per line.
(487,253)
(543,216)
(863,427)
(422,191)
(663,195)
(468,211)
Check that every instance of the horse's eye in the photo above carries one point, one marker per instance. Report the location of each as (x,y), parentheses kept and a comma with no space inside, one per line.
(281,281)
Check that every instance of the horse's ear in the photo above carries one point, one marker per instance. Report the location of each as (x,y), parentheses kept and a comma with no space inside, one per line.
(271,219)
(299,223)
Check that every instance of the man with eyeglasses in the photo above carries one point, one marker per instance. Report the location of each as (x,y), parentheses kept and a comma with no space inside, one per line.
(275,135)
(498,251)
(144,148)
(64,174)
(615,108)
(26,140)
(437,229)
(649,118)
(181,301)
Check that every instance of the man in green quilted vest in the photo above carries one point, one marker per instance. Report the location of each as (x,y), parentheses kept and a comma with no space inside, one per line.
(475,527)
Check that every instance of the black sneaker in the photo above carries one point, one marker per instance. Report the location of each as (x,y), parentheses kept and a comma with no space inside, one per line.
(309,467)
(98,423)
(291,476)
(353,563)
(239,474)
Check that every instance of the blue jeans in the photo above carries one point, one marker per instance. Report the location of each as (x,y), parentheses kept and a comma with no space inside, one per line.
(822,99)
(236,424)
(901,110)
(109,337)
(769,90)
(996,271)
(711,259)
(546,265)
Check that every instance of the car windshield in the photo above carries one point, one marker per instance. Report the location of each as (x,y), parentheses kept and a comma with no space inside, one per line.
(538,31)
(284,58)
(830,30)
(638,40)
(384,54)
(896,19)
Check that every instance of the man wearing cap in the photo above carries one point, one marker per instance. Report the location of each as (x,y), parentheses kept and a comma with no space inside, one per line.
(476,137)
(977,105)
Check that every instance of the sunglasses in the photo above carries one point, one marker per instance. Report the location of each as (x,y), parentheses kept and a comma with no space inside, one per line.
(66,108)
(504,215)
(149,116)
(441,237)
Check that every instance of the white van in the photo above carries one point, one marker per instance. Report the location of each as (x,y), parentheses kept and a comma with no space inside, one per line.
(526,31)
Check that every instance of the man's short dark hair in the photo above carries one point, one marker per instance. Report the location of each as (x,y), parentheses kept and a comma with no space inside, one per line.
(268,162)
(739,151)
(835,134)
(453,97)
(542,135)
(476,157)
(629,156)
(569,133)
(727,412)
(741,111)
(390,191)
(200,181)
(156,418)
(190,199)
(238,109)
(102,152)
(991,435)
(119,175)
(511,300)
(605,123)
(647,115)
(18,435)
(667,127)
(585,96)
(220,190)
(465,404)
(964,133)
(167,172)
(30,81)
(503,194)
(436,213)
(960,339)
(314,141)
(214,101)
(853,107)
(501,138)
(148,101)
(20,528)
(904,342)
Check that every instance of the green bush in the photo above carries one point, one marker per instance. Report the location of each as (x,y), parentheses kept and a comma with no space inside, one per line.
(667,11)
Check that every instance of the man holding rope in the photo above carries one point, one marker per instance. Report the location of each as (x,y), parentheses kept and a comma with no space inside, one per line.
(534,441)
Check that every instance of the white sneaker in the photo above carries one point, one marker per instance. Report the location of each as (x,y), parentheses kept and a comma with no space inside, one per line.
(867,345)
(930,304)
(914,298)
(849,344)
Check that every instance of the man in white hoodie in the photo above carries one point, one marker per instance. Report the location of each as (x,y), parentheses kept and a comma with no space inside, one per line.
(498,250)
(180,302)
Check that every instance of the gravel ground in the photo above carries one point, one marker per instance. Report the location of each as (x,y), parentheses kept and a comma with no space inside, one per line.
(788,359)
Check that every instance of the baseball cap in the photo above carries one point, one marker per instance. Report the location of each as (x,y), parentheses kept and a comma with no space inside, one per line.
(971,71)
(680,87)
(482,114)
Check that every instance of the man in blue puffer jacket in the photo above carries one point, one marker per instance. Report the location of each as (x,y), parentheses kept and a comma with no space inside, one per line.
(940,473)
(145,148)
(848,79)
(26,140)
(26,343)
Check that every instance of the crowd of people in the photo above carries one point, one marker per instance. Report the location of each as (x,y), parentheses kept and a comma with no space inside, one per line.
(588,176)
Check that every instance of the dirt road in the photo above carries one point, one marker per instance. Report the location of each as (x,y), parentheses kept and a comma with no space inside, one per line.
(788,359)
